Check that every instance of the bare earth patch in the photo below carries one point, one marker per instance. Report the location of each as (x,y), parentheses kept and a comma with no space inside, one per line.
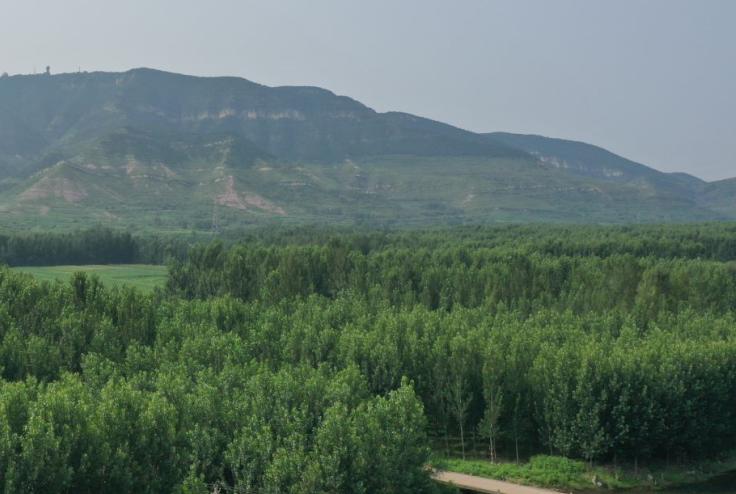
(231,199)
(168,172)
(468,199)
(54,187)
(481,484)
(132,167)
(110,216)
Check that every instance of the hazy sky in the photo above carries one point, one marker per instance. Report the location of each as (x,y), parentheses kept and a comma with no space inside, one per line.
(653,80)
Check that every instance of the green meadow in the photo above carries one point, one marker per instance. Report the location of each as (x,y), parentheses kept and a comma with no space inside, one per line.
(142,276)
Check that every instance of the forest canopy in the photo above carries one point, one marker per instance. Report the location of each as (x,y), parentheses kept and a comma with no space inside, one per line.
(331,361)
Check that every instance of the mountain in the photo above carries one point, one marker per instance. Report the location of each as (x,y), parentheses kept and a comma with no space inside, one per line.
(293,123)
(151,149)
(720,196)
(589,161)
(586,160)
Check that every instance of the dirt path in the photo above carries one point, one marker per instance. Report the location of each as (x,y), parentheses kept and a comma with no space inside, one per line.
(487,486)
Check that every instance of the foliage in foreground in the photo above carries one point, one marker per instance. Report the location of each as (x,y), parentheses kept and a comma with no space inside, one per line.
(102,391)
(584,356)
(321,368)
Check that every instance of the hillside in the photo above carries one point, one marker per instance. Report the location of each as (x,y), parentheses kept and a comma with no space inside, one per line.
(150,149)
(720,196)
(587,160)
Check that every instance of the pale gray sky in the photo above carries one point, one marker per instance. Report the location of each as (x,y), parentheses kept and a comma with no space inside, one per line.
(653,80)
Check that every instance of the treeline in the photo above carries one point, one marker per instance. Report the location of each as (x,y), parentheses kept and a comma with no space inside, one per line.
(102,245)
(716,241)
(98,245)
(449,277)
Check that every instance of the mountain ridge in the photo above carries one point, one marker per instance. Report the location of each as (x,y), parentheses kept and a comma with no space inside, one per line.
(201,152)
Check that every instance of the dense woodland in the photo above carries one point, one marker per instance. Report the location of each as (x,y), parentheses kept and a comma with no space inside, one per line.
(94,246)
(319,361)
(101,245)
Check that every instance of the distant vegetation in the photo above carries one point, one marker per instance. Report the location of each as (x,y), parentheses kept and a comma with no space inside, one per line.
(89,246)
(315,360)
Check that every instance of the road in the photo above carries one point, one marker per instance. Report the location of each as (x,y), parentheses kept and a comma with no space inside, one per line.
(485,486)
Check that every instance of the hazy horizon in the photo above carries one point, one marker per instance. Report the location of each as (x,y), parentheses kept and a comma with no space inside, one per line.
(650,81)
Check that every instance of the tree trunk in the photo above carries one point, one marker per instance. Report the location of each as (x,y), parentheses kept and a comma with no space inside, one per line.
(462,439)
(492,445)
(447,440)
(615,466)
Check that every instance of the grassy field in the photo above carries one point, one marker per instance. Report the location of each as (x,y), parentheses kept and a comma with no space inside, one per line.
(543,471)
(562,473)
(142,276)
